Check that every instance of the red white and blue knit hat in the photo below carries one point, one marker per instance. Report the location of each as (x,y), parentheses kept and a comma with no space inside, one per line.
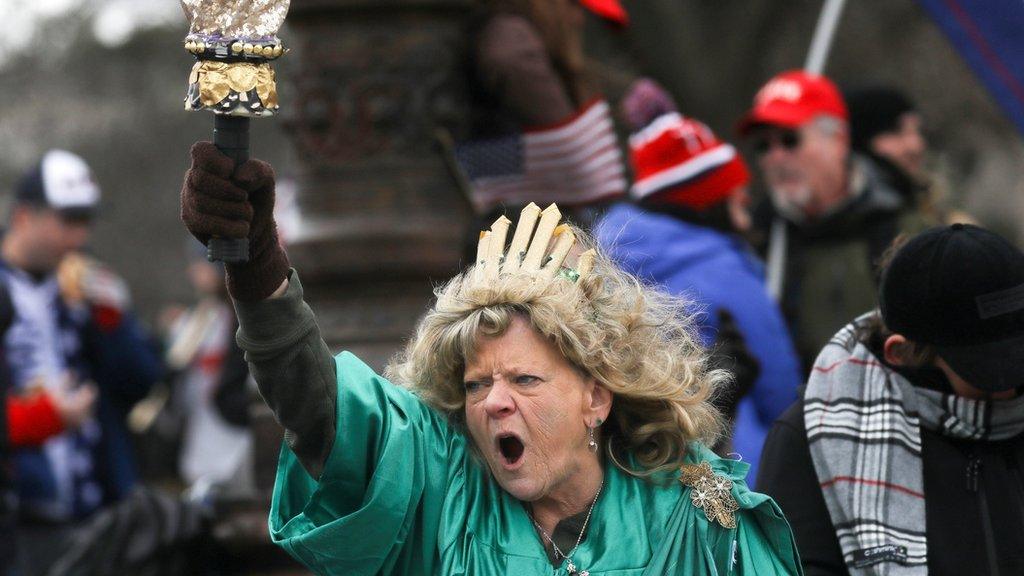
(680,161)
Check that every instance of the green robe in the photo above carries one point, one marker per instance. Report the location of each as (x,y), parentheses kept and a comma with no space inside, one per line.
(401,493)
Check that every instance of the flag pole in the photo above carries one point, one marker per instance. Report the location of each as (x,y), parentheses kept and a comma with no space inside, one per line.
(821,45)
(824,34)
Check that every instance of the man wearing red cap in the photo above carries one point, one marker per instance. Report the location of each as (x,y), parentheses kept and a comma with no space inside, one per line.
(832,215)
(684,233)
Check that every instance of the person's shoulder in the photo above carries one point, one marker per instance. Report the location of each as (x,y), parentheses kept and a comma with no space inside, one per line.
(622,226)
(355,364)
(360,383)
(676,249)
(718,487)
(703,464)
(714,485)
(738,516)
(793,418)
(504,30)
(503,22)
(356,376)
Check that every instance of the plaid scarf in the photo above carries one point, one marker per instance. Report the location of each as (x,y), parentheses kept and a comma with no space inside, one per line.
(863,426)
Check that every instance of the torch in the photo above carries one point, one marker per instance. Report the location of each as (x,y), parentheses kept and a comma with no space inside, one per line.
(234,42)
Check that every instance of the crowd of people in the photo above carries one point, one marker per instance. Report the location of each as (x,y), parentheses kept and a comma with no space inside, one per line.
(598,396)
(75,365)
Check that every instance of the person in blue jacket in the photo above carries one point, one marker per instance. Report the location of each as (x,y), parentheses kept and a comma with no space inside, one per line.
(683,232)
(72,330)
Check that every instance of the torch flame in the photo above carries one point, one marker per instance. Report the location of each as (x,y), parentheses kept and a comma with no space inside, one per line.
(241,19)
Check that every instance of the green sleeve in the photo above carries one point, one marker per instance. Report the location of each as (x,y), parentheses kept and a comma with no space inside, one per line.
(377,506)
(764,540)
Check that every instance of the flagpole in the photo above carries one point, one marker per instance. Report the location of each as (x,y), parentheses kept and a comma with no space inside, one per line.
(823,36)
(821,45)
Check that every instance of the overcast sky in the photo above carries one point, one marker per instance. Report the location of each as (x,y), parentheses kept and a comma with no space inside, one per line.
(113,21)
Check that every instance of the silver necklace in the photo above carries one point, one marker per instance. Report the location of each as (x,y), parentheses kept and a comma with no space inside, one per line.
(571,567)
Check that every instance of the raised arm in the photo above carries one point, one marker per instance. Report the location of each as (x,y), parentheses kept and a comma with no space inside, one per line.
(289,360)
(515,66)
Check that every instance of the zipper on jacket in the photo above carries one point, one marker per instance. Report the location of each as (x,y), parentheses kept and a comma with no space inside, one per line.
(974,485)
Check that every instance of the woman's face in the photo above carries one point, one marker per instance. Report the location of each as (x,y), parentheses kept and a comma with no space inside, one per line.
(528,409)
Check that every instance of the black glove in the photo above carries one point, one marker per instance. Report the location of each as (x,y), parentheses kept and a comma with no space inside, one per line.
(219,200)
(730,352)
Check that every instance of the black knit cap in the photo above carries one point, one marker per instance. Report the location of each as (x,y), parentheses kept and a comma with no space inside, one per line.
(873,111)
(960,289)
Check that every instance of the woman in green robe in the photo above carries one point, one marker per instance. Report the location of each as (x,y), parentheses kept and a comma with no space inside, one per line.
(549,415)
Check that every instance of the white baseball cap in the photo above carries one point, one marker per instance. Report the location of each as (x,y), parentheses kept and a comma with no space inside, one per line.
(61,181)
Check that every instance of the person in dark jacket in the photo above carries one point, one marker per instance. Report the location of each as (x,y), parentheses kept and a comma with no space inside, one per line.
(887,130)
(72,330)
(8,553)
(905,455)
(831,214)
(684,233)
(27,422)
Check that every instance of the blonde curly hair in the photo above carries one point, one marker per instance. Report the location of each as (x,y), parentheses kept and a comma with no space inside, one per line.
(635,340)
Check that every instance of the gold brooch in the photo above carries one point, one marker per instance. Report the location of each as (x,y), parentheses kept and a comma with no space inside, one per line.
(711,493)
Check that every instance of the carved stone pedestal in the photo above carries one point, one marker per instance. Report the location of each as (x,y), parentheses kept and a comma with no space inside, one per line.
(373,82)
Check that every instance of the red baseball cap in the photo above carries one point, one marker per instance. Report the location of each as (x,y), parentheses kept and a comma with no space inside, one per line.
(610,10)
(791,99)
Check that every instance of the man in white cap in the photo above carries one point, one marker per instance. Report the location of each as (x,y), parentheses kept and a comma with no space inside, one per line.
(71,338)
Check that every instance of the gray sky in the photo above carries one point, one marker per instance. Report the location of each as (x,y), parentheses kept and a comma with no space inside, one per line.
(113,21)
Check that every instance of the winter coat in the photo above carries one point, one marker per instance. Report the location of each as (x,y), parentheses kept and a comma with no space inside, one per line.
(716,271)
(831,264)
(973,497)
(123,363)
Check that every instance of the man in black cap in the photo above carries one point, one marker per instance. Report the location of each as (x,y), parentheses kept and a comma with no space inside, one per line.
(72,336)
(905,455)
(885,125)
(887,129)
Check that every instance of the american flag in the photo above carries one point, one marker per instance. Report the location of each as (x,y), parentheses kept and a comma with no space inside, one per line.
(575,162)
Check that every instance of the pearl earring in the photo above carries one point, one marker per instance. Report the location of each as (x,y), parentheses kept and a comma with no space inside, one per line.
(593,441)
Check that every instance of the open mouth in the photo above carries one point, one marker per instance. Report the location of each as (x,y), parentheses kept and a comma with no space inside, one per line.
(511,449)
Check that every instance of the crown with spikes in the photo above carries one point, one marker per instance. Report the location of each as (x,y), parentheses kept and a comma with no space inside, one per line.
(539,247)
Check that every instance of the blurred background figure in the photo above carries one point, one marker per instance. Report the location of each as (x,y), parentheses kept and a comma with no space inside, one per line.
(831,214)
(211,388)
(528,61)
(28,420)
(887,129)
(686,232)
(72,335)
(541,130)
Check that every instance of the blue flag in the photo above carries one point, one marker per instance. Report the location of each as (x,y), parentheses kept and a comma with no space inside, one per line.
(990,36)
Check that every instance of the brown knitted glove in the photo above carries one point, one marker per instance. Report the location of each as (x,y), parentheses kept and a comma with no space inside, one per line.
(218,200)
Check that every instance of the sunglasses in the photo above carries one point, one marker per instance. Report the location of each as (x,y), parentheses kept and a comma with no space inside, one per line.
(788,139)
